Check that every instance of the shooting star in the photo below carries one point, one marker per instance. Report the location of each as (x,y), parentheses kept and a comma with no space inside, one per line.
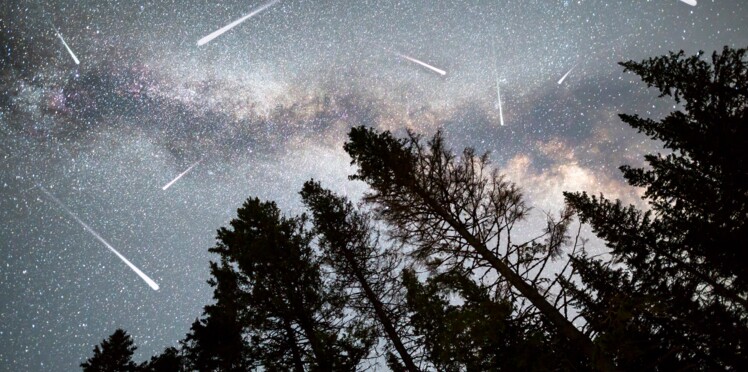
(59,35)
(498,95)
(566,74)
(424,64)
(689,2)
(231,25)
(180,175)
(496,77)
(127,262)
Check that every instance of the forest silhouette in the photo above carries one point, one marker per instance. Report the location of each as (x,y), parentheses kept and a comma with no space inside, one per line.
(427,272)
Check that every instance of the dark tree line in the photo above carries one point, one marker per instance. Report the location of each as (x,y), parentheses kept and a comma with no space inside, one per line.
(427,273)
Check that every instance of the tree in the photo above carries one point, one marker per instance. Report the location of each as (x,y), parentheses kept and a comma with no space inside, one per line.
(216,342)
(456,211)
(114,355)
(273,302)
(678,299)
(463,327)
(171,360)
(351,248)
(298,294)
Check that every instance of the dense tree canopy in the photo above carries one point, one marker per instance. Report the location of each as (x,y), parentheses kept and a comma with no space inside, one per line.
(428,274)
(171,360)
(273,309)
(680,298)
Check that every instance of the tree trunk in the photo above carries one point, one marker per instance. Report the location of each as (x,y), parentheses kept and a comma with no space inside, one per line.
(321,354)
(389,328)
(298,364)
(551,314)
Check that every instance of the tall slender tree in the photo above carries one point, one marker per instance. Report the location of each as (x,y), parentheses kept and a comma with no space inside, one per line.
(457,211)
(679,301)
(217,341)
(350,246)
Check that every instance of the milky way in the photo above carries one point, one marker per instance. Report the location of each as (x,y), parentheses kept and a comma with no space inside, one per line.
(265,107)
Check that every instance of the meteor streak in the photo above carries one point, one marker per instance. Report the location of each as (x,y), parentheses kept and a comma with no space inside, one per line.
(77,62)
(180,175)
(127,262)
(496,77)
(566,74)
(498,94)
(689,2)
(424,64)
(231,25)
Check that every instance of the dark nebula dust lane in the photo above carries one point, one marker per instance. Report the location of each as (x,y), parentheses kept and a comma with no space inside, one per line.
(150,122)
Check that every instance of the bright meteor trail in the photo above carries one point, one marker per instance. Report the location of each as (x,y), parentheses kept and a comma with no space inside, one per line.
(566,74)
(498,95)
(496,77)
(77,62)
(231,25)
(127,262)
(424,64)
(180,175)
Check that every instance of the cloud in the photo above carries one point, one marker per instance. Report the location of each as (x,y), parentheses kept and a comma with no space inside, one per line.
(556,169)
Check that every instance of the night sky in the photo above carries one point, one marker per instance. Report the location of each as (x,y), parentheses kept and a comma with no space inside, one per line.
(266,106)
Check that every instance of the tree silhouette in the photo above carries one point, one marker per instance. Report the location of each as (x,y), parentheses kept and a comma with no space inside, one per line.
(273,308)
(457,211)
(171,360)
(216,342)
(114,354)
(679,301)
(351,248)
(478,332)
(453,290)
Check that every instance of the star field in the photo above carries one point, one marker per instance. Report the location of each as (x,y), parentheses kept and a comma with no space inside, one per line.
(266,106)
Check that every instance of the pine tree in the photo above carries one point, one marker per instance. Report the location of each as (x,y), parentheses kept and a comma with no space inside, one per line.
(463,327)
(114,354)
(272,300)
(216,342)
(679,298)
(459,214)
(350,246)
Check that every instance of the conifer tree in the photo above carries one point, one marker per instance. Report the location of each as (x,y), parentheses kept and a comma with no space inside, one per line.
(459,214)
(350,246)
(217,341)
(273,306)
(679,298)
(114,354)
(171,360)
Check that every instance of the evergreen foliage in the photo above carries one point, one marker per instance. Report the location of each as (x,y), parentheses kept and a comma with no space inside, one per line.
(114,354)
(679,298)
(459,214)
(171,360)
(272,308)
(349,245)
